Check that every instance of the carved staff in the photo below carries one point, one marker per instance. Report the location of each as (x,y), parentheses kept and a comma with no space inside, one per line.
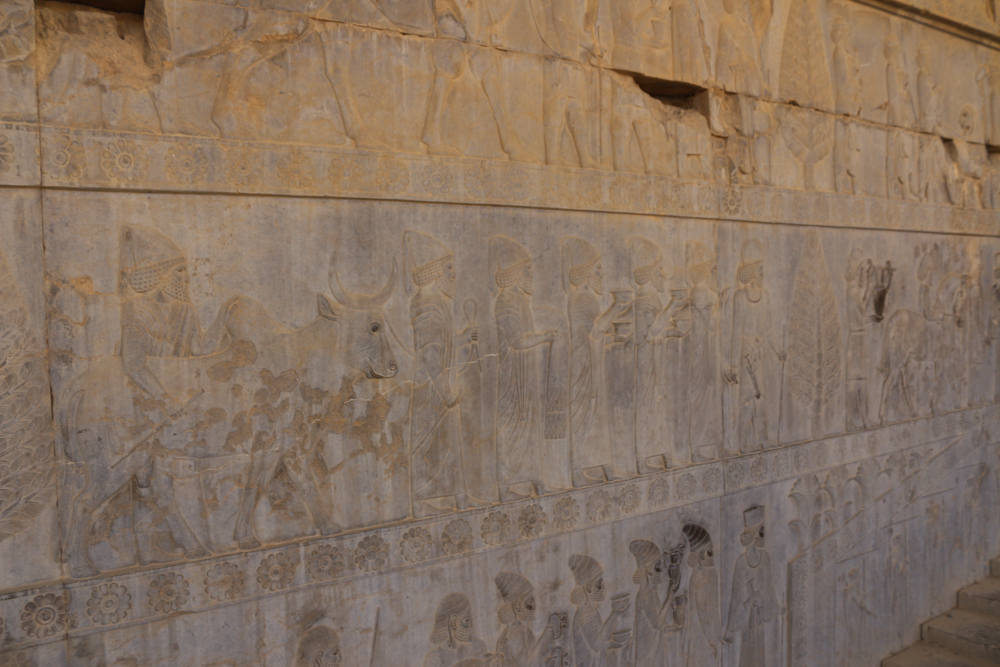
(371,660)
(156,429)
(781,386)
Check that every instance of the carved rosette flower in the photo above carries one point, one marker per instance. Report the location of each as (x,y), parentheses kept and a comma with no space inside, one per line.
(779,205)
(168,592)
(625,193)
(457,537)
(67,159)
(758,470)
(531,521)
(7,156)
(224,582)
(45,615)
(735,472)
(496,528)
(392,175)
(276,572)
(708,200)
(589,189)
(244,167)
(599,505)
(659,492)
(324,563)
(876,214)
(436,180)
(124,161)
(416,545)
(296,170)
(349,172)
(186,164)
(780,464)
(515,184)
(754,202)
(479,181)
(566,513)
(712,480)
(371,554)
(822,454)
(686,486)
(629,498)
(109,604)
(732,200)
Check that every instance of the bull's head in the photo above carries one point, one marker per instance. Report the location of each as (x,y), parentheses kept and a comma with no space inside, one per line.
(361,324)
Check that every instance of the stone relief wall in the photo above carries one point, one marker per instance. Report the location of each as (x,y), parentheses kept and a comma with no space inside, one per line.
(495,334)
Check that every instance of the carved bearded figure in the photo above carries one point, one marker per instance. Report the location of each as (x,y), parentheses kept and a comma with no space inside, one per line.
(701,354)
(654,618)
(519,409)
(752,601)
(647,275)
(518,645)
(438,478)
(754,353)
(453,636)
(584,283)
(703,588)
(595,640)
(859,296)
(157,318)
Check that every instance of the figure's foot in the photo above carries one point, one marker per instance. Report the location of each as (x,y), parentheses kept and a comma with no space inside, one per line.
(519,491)
(84,571)
(198,552)
(467,502)
(248,543)
(438,147)
(330,529)
(651,465)
(435,507)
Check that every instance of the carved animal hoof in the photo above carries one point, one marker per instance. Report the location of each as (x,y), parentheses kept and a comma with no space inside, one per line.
(84,571)
(198,552)
(330,529)
(249,543)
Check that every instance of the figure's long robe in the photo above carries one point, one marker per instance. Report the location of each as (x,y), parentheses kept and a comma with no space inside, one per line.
(752,606)
(519,407)
(435,433)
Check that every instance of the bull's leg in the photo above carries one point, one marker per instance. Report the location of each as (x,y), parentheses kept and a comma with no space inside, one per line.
(262,467)
(306,486)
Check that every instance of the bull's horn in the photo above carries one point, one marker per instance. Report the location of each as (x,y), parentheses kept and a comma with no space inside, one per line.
(348,300)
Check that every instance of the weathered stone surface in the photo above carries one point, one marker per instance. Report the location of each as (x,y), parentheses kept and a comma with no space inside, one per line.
(575,334)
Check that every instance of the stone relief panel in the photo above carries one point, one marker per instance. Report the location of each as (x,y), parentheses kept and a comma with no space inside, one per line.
(386,354)
(810,553)
(776,112)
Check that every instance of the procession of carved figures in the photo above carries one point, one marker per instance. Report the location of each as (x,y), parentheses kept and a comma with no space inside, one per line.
(214,428)
(556,83)
(673,616)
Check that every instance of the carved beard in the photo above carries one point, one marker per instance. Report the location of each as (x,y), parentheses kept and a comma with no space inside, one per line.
(176,288)
(524,282)
(460,633)
(447,287)
(596,283)
(328,658)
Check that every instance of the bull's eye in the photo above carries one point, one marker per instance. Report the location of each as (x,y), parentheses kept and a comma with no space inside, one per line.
(375,327)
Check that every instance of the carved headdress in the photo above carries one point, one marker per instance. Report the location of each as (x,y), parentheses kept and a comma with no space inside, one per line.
(751,259)
(854,263)
(146,257)
(513,588)
(508,259)
(455,604)
(700,262)
(424,259)
(579,258)
(753,522)
(697,537)
(645,261)
(586,571)
(320,645)
(645,553)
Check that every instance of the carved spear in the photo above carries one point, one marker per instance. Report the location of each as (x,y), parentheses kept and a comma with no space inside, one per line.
(156,429)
